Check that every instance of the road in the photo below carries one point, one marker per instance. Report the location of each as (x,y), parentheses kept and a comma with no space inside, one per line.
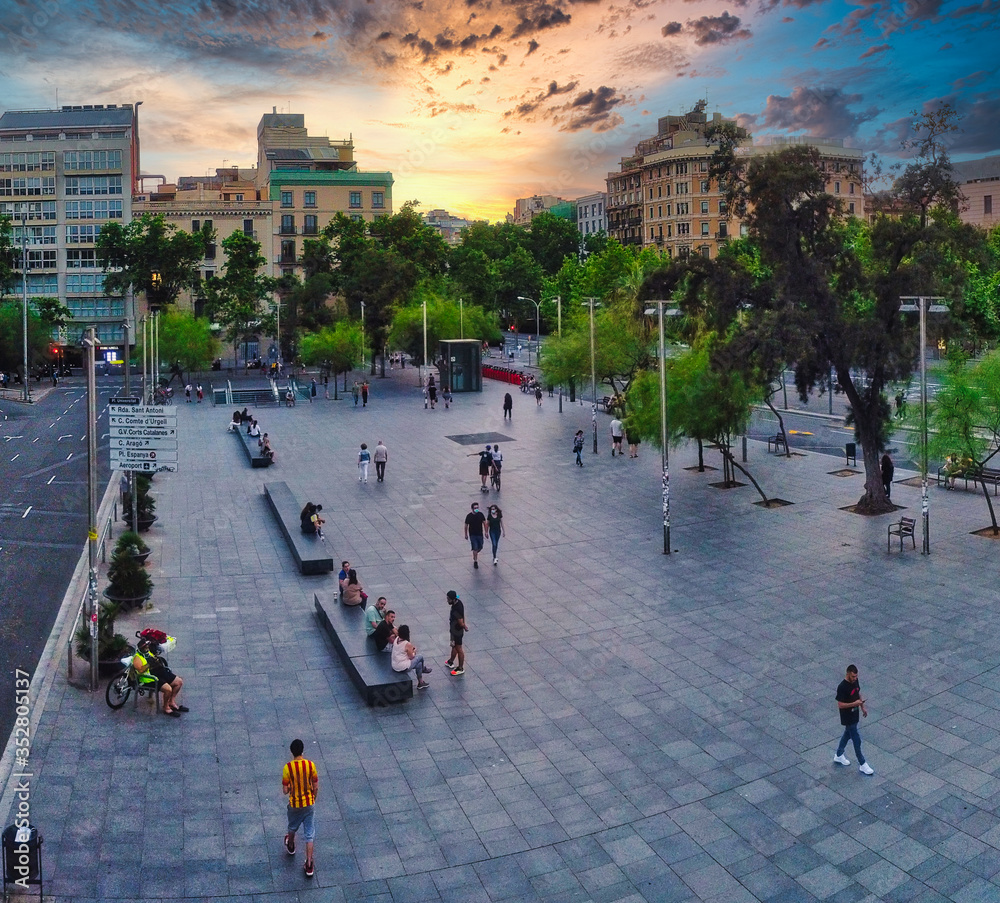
(43,518)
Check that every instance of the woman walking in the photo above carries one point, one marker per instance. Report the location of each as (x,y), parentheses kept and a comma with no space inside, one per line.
(494,521)
(364,457)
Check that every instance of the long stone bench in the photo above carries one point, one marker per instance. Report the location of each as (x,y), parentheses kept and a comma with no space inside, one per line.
(252,449)
(369,670)
(310,552)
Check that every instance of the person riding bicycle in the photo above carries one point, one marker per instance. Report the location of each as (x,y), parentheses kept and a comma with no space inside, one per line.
(497,466)
(146,658)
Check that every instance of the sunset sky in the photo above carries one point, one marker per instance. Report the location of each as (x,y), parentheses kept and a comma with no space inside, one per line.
(473,103)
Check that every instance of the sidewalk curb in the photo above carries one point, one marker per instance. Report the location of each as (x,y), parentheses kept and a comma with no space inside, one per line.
(48,663)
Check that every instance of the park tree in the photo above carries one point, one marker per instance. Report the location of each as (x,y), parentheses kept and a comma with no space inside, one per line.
(131,254)
(8,257)
(337,349)
(963,420)
(239,298)
(550,240)
(445,320)
(12,336)
(186,340)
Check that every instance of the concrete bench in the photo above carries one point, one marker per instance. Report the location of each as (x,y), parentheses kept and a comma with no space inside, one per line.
(252,449)
(369,670)
(309,550)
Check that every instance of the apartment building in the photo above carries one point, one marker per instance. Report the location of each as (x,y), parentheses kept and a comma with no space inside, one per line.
(591,214)
(63,174)
(448,226)
(526,209)
(228,202)
(980,183)
(309,179)
(662,195)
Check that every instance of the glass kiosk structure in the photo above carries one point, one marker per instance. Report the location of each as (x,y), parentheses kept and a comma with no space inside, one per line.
(460,363)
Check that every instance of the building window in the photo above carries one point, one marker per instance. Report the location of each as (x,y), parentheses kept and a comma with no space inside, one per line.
(27,162)
(682,169)
(704,186)
(34,235)
(248,227)
(850,208)
(97,159)
(84,308)
(723,230)
(286,199)
(287,224)
(288,252)
(46,284)
(681,188)
(355,199)
(82,235)
(652,233)
(311,226)
(356,217)
(210,250)
(93,185)
(27,187)
(659,211)
(836,187)
(195,225)
(93,210)
(85,283)
(378,200)
(704,229)
(35,210)
(683,208)
(309,199)
(683,228)
(650,212)
(42,260)
(81,259)
(987,204)
(850,188)
(704,206)
(723,207)
(705,251)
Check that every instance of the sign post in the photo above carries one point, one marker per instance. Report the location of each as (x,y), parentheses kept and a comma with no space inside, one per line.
(142,437)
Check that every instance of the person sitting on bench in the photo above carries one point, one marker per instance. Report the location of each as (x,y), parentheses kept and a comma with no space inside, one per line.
(310,521)
(236,423)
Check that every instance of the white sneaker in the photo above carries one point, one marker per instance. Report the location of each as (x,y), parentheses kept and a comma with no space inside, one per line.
(842,760)
(495,560)
(866,769)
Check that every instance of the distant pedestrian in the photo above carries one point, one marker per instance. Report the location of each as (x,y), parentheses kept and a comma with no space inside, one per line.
(888,469)
(538,395)
(494,523)
(326,387)
(381,457)
(364,394)
(485,465)
(201,393)
(446,395)
(300,783)
(508,407)
(475,520)
(457,628)
(187,393)
(578,447)
(356,392)
(432,393)
(364,456)
(312,388)
(849,700)
(617,433)
(632,437)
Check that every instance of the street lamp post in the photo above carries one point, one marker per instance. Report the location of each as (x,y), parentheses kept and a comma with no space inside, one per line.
(24,290)
(559,329)
(662,309)
(461,318)
(362,336)
(90,344)
(423,362)
(128,391)
(538,306)
(591,303)
(923,305)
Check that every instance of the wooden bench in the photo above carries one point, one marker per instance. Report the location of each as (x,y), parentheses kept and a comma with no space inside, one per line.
(252,449)
(901,529)
(777,441)
(369,670)
(309,550)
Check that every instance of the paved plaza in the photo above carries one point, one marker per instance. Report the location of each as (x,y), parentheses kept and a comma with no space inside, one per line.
(630,727)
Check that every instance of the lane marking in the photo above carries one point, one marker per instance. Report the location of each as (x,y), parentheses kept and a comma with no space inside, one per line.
(50,480)
(18,455)
(33,441)
(64,436)
(26,510)
(70,455)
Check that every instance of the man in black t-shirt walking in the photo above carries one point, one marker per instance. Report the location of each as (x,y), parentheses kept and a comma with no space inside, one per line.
(849,701)
(456,630)
(474,522)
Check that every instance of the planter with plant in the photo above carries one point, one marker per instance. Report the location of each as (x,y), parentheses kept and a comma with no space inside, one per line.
(145,504)
(129,583)
(111,646)
(138,549)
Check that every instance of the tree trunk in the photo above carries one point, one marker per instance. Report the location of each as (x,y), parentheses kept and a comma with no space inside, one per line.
(727,456)
(989,503)
(781,425)
(701,456)
(874,501)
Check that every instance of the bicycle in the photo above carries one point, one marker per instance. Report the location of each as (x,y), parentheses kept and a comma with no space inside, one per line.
(495,478)
(123,684)
(163,396)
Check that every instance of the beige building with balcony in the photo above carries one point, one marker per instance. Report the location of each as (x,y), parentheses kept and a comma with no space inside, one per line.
(663,196)
(980,184)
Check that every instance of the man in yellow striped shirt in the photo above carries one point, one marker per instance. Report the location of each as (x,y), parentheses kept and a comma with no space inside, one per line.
(299,782)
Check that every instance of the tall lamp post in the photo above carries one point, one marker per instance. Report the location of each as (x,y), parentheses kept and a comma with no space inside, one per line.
(538,305)
(592,303)
(420,378)
(923,305)
(362,336)
(461,318)
(662,309)
(559,330)
(24,291)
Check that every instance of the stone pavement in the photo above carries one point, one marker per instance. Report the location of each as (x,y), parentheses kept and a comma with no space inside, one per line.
(631,727)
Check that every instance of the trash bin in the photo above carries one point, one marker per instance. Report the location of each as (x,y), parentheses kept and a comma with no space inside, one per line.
(851,450)
(22,863)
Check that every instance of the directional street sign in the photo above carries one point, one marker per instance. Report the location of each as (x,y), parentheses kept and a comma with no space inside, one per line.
(142,437)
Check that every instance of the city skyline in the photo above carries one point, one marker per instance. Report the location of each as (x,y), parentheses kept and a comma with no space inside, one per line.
(473,104)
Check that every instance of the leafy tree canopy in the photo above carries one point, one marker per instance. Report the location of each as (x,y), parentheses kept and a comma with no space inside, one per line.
(187,339)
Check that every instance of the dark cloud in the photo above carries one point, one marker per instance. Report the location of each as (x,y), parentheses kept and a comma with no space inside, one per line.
(528,107)
(718,29)
(819,112)
(710,29)
(875,51)
(593,110)
(541,18)
(532,47)
(977,120)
